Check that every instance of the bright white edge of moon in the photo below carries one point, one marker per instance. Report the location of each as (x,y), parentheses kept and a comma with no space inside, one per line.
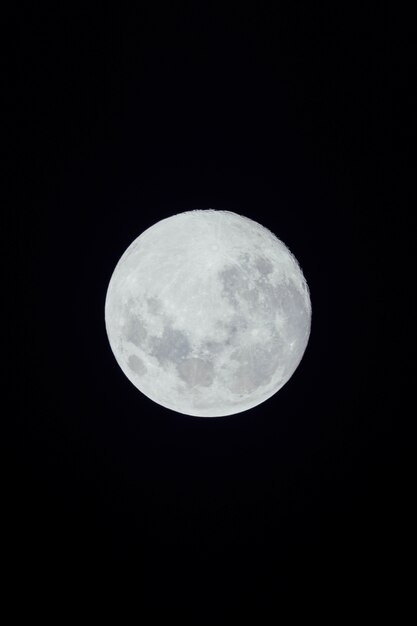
(208,313)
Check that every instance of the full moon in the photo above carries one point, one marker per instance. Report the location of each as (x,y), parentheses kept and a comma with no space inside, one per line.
(208,313)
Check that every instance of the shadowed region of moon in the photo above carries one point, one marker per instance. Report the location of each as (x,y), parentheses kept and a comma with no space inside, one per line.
(208,313)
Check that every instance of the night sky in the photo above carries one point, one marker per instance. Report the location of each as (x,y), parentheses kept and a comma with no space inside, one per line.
(300,122)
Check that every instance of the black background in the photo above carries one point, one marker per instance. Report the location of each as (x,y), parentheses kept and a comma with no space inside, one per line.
(301,122)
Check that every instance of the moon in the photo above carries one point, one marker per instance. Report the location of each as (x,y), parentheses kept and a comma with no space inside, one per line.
(208,313)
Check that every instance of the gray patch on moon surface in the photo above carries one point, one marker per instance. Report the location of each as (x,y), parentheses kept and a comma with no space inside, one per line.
(173,346)
(232,283)
(291,302)
(211,347)
(135,330)
(257,363)
(260,300)
(264,265)
(136,365)
(154,306)
(238,288)
(196,372)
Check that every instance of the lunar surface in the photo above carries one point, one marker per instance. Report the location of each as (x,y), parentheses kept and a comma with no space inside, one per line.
(208,313)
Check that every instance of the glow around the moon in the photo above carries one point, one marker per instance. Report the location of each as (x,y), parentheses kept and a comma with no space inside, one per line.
(208,313)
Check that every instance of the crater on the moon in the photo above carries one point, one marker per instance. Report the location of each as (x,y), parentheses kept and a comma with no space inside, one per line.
(211,314)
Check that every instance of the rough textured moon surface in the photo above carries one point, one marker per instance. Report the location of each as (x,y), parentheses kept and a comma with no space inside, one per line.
(208,313)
